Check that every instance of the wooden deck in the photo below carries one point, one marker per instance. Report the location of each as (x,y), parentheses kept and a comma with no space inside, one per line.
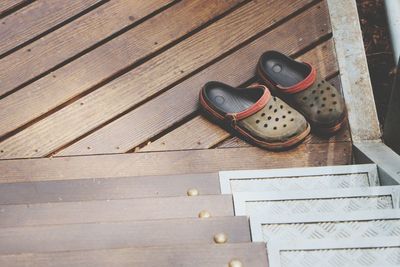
(96,77)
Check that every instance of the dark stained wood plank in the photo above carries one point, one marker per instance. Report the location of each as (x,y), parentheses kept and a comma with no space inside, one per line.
(164,111)
(73,237)
(199,133)
(172,162)
(6,5)
(60,45)
(115,210)
(108,188)
(250,254)
(35,19)
(105,61)
(144,81)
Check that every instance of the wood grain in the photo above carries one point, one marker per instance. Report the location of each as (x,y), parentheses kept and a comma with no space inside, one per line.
(164,111)
(114,210)
(144,81)
(74,237)
(173,162)
(35,19)
(250,254)
(107,188)
(105,61)
(198,133)
(68,41)
(6,5)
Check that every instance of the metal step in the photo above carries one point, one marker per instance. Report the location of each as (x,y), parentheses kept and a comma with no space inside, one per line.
(373,252)
(299,178)
(356,224)
(308,201)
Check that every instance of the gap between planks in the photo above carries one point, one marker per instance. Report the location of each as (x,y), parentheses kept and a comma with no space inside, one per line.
(38,18)
(164,111)
(172,162)
(45,93)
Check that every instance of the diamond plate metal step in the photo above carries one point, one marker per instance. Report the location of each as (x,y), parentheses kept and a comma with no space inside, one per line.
(356,224)
(299,178)
(373,252)
(308,201)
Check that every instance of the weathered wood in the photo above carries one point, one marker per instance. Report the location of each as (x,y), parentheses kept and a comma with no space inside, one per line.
(164,111)
(35,19)
(7,5)
(107,60)
(199,133)
(107,188)
(60,45)
(172,162)
(114,210)
(73,237)
(144,81)
(357,89)
(250,254)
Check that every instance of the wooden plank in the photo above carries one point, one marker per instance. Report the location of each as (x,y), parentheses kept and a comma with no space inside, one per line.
(114,210)
(107,60)
(200,133)
(250,254)
(357,88)
(7,5)
(115,97)
(60,45)
(156,115)
(37,18)
(73,237)
(172,162)
(107,188)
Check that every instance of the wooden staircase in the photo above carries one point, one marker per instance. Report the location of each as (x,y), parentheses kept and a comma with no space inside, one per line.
(279,217)
(174,220)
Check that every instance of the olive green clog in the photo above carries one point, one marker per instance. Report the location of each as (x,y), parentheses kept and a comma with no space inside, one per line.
(253,113)
(299,85)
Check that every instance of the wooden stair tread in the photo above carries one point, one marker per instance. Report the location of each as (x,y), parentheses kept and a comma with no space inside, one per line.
(250,254)
(72,237)
(108,188)
(115,210)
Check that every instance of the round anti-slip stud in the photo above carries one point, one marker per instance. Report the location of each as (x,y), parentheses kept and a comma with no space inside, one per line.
(235,263)
(192,192)
(204,214)
(220,238)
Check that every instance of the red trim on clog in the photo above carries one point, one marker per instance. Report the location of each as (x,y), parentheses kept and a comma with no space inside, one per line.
(257,106)
(233,117)
(304,84)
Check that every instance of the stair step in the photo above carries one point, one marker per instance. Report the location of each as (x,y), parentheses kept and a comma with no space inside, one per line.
(308,201)
(108,188)
(299,178)
(360,252)
(89,236)
(249,254)
(356,224)
(114,210)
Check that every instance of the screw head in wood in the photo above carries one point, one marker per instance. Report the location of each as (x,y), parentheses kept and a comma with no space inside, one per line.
(235,263)
(220,238)
(193,192)
(204,214)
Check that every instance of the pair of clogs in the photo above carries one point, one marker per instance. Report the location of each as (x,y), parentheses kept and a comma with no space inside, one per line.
(301,101)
